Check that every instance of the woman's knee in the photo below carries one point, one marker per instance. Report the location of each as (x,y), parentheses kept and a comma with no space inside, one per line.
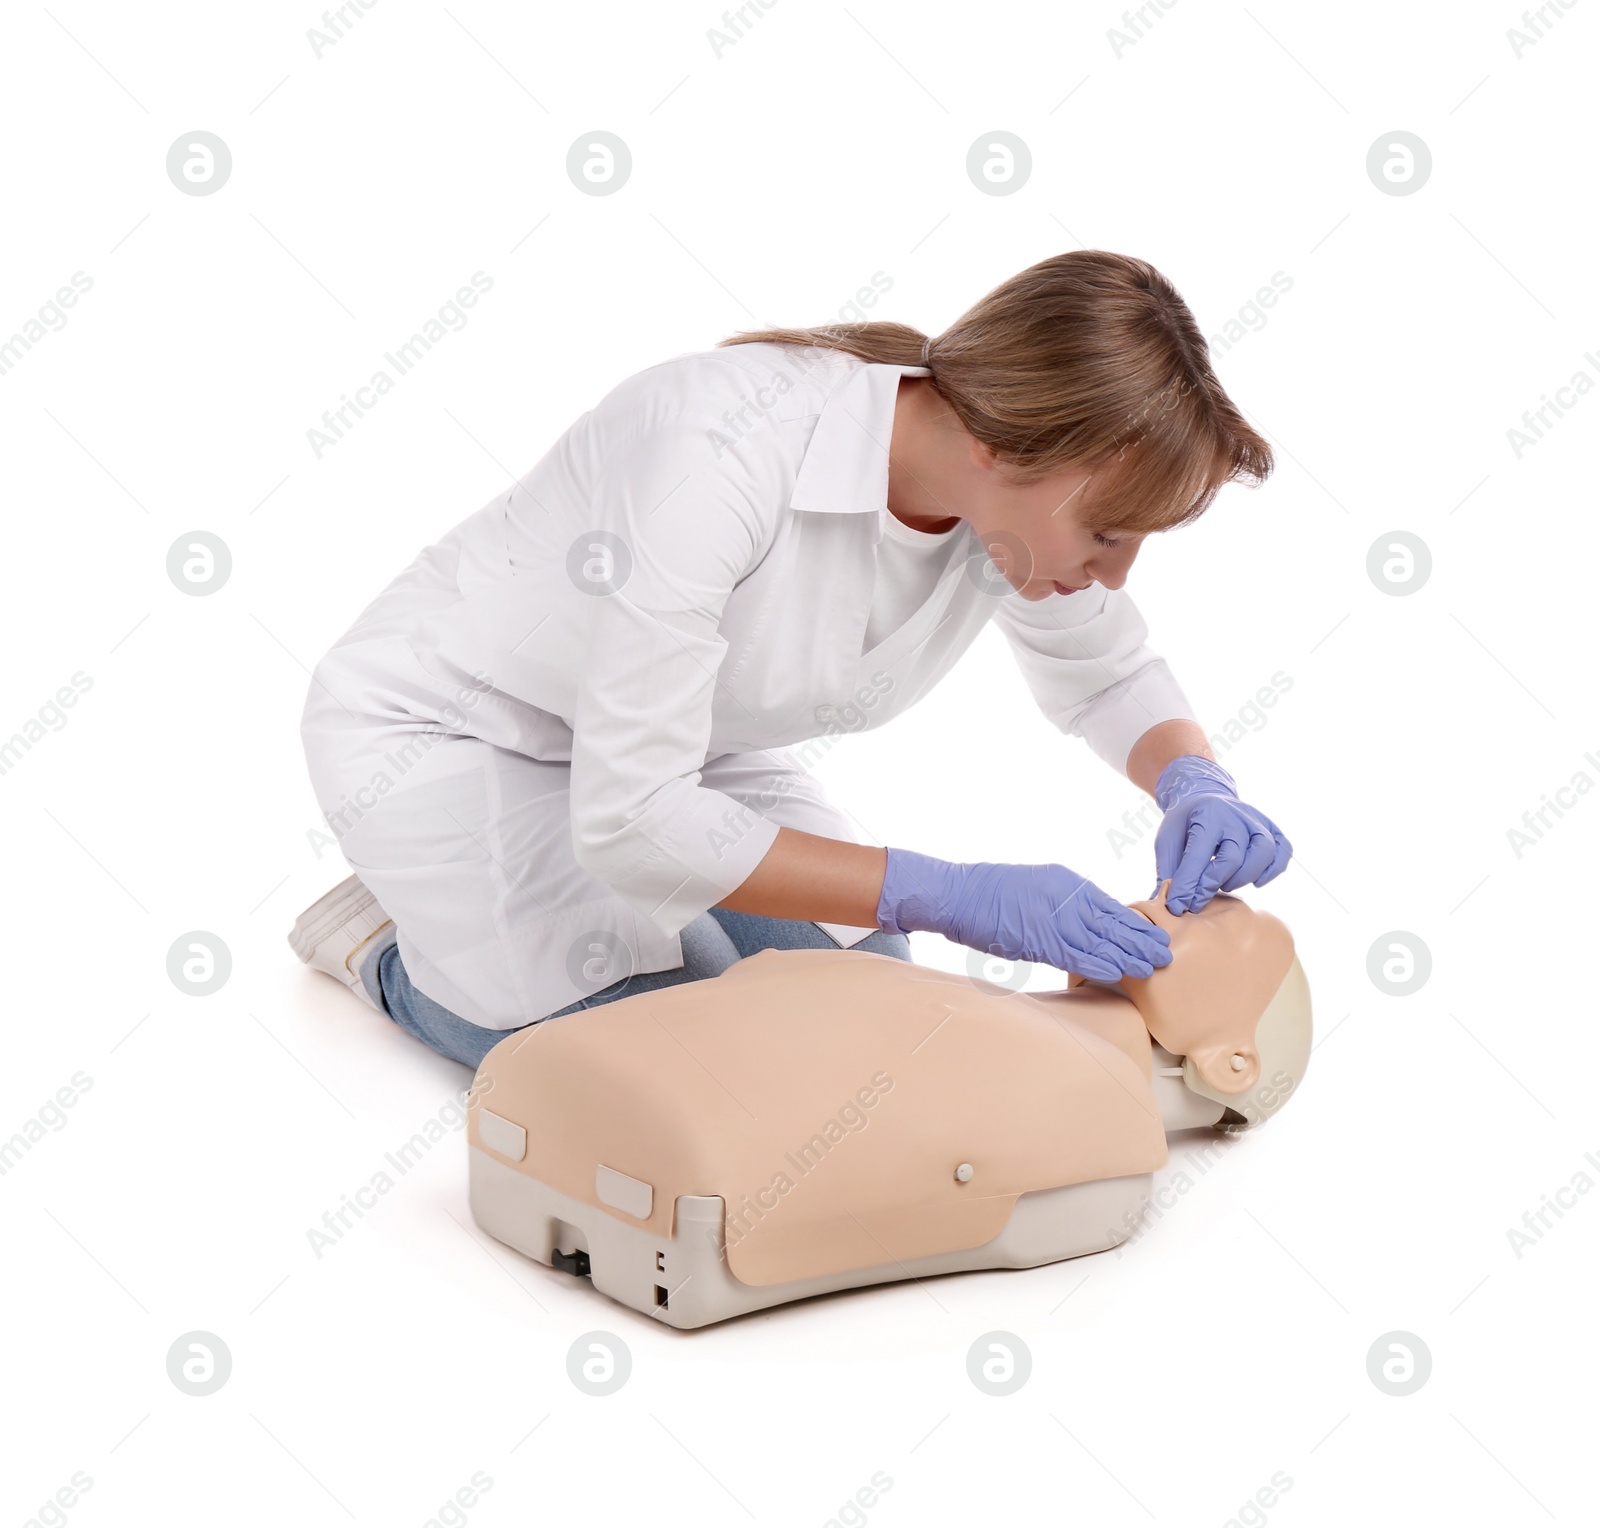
(707,949)
(426,1020)
(884,943)
(750,933)
(707,952)
(754,932)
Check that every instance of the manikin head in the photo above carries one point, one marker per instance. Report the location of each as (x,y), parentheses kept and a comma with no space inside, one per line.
(1233,1004)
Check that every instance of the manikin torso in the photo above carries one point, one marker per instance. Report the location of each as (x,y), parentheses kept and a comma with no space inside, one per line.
(852,1111)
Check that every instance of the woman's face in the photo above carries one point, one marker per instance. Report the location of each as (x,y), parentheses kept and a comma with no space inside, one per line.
(1033,533)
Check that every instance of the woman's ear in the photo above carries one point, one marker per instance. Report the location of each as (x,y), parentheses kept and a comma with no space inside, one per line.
(982,455)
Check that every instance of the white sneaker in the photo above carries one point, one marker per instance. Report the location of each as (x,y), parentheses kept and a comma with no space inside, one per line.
(335,933)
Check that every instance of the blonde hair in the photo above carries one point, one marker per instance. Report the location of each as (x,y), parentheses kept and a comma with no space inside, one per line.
(1085,360)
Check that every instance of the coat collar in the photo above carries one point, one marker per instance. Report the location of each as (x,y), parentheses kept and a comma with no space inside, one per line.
(845,468)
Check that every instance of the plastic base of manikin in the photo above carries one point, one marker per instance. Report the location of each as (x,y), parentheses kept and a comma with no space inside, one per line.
(684,1280)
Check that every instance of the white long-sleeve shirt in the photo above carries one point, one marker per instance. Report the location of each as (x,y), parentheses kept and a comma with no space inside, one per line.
(672,602)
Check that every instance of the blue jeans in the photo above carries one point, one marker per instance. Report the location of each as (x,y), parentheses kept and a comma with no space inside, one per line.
(711,943)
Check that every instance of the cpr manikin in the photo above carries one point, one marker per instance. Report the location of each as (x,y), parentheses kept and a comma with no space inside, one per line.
(814,1120)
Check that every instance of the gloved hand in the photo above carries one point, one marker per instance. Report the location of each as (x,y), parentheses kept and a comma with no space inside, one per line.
(1024,912)
(1209,840)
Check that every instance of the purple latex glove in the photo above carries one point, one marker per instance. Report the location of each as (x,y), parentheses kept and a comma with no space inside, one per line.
(1043,913)
(1209,840)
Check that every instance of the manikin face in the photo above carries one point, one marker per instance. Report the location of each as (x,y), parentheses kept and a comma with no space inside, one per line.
(1033,533)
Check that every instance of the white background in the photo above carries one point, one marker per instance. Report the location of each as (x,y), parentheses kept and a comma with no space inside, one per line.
(1229,1342)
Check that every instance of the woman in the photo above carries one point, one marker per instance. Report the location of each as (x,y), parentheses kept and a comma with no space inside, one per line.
(556,750)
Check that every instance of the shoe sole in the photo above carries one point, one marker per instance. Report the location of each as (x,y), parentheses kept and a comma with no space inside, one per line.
(327,913)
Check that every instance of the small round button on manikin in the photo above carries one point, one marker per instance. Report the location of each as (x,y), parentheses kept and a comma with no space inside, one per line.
(964,1173)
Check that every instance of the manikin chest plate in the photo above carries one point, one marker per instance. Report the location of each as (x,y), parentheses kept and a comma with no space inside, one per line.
(829,1097)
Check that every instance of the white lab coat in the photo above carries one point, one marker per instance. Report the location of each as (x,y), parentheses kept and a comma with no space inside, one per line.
(579,719)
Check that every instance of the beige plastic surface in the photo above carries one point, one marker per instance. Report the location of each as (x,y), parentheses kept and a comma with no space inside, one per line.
(827,1097)
(1228,961)
(1283,1044)
(866,1083)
